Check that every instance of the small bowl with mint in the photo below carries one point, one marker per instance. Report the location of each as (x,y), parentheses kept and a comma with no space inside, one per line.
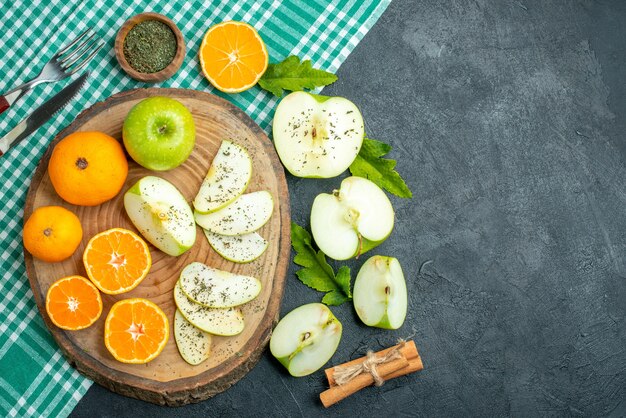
(150,47)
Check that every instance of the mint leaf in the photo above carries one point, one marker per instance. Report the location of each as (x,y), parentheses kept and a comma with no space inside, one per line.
(334,298)
(316,272)
(370,164)
(293,75)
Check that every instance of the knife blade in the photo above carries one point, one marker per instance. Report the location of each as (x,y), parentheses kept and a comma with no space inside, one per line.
(42,114)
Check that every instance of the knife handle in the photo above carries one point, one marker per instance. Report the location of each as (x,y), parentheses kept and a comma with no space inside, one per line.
(4,105)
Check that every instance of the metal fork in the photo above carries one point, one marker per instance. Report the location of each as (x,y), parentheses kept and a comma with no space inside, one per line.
(63,64)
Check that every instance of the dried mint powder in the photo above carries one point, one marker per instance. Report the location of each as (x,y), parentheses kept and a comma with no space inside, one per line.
(150,46)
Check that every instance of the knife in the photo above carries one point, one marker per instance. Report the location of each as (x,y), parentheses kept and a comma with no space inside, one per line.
(42,114)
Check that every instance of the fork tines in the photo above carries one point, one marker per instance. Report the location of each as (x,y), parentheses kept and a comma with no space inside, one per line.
(70,56)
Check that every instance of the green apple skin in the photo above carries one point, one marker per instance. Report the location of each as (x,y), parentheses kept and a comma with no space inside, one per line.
(159,133)
(382,266)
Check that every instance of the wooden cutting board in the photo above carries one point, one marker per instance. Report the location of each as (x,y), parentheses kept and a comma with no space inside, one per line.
(169,379)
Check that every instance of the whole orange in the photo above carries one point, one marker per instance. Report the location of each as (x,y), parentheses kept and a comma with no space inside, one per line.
(52,233)
(88,168)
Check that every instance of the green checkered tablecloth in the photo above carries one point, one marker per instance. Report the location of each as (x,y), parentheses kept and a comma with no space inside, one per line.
(35,379)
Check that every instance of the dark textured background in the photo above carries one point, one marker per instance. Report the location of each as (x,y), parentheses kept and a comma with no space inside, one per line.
(507,120)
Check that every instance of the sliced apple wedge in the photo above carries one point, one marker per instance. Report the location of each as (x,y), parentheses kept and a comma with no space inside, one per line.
(306,338)
(317,136)
(217,288)
(379,295)
(217,321)
(226,180)
(161,214)
(194,345)
(351,220)
(246,214)
(239,248)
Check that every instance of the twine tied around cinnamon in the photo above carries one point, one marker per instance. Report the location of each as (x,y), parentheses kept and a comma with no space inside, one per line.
(343,375)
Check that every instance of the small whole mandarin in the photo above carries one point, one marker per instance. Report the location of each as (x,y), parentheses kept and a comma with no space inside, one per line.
(88,168)
(52,233)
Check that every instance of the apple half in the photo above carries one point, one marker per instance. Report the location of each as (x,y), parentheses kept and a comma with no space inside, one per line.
(216,321)
(161,214)
(239,248)
(246,214)
(379,294)
(194,345)
(227,178)
(217,288)
(317,136)
(306,338)
(352,220)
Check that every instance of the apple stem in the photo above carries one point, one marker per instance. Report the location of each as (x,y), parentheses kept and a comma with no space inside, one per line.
(360,246)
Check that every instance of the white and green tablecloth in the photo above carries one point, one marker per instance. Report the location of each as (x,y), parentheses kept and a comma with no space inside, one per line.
(35,379)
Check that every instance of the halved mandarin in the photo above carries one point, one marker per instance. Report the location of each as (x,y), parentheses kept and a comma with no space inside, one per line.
(73,303)
(117,260)
(136,331)
(233,56)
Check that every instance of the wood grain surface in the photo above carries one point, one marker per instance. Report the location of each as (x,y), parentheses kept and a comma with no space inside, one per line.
(169,379)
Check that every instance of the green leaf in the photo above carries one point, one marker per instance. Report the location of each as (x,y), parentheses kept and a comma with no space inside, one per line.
(370,164)
(334,298)
(293,75)
(316,272)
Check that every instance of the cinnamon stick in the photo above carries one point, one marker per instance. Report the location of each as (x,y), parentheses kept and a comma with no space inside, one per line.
(337,393)
(409,351)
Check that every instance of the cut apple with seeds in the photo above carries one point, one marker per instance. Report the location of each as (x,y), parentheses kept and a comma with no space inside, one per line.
(194,345)
(217,288)
(351,220)
(379,294)
(246,214)
(161,214)
(216,321)
(226,180)
(306,338)
(317,136)
(239,248)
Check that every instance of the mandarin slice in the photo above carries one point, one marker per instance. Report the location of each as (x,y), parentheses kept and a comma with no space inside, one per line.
(233,56)
(73,303)
(117,260)
(136,331)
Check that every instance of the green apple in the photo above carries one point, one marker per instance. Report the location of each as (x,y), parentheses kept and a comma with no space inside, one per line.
(194,345)
(216,321)
(161,214)
(351,220)
(317,136)
(227,178)
(379,293)
(217,288)
(159,133)
(246,214)
(239,248)
(306,338)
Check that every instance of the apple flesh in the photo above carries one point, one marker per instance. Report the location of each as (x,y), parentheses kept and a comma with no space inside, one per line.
(159,133)
(194,345)
(317,136)
(351,220)
(217,288)
(379,294)
(227,178)
(161,214)
(306,338)
(246,214)
(239,248)
(216,321)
